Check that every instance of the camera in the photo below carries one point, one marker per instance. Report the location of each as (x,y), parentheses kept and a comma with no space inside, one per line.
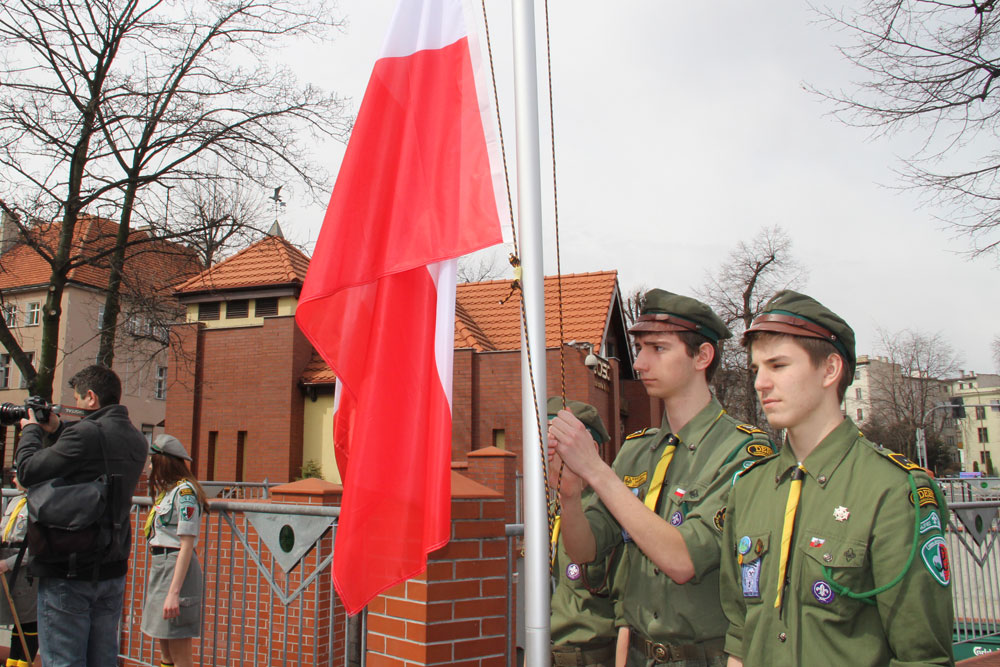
(11,413)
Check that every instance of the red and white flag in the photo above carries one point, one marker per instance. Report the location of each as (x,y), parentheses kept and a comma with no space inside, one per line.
(414,192)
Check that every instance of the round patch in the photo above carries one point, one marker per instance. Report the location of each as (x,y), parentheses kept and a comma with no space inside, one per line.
(822,591)
(676,518)
(573,571)
(720,518)
(745,544)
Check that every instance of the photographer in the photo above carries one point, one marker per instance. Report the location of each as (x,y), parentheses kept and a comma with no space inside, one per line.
(80,600)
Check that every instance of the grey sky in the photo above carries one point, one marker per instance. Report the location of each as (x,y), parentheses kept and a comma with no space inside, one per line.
(682,128)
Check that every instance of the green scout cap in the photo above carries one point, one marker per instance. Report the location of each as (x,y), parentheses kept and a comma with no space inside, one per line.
(665,311)
(584,412)
(796,314)
(169,445)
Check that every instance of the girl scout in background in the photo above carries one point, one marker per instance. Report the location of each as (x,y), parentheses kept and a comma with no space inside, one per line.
(172,610)
(23,590)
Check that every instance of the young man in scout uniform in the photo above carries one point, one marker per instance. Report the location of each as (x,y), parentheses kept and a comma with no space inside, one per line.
(833,550)
(665,496)
(585,600)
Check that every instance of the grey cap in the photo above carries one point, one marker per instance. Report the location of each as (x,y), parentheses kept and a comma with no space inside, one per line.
(168,444)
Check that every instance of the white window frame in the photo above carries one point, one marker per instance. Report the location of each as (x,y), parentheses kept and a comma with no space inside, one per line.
(4,371)
(160,389)
(33,315)
(10,314)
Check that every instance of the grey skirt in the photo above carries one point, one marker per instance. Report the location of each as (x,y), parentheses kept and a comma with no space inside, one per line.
(188,624)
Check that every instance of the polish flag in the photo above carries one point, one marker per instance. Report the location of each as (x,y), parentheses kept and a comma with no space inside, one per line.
(415,191)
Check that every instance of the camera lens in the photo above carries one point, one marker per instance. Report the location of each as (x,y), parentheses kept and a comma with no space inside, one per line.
(11,413)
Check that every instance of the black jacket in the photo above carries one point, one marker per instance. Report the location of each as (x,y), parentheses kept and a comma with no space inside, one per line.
(75,455)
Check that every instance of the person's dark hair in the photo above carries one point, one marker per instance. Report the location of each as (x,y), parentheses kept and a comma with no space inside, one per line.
(818,350)
(167,471)
(101,380)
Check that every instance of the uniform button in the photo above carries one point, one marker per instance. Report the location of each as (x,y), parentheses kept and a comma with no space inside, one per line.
(821,479)
(691,447)
(656,570)
(782,636)
(656,614)
(828,558)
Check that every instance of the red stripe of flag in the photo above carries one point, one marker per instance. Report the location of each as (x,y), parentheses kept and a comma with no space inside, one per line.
(414,191)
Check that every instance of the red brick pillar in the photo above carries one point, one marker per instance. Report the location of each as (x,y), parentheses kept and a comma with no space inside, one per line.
(455,612)
(496,469)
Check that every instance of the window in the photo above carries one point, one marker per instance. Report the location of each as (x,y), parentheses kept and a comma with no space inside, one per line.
(961,385)
(237,309)
(160,391)
(857,375)
(983,434)
(10,314)
(31,360)
(100,317)
(147,432)
(980,412)
(213,437)
(241,445)
(265,307)
(861,414)
(208,311)
(4,371)
(857,393)
(995,405)
(32,317)
(499,438)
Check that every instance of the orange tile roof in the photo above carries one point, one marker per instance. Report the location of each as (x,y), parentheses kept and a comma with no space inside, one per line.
(149,264)
(587,299)
(270,261)
(317,372)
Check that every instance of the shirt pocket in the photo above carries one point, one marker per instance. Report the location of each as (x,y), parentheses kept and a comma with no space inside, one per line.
(846,560)
(678,505)
(752,556)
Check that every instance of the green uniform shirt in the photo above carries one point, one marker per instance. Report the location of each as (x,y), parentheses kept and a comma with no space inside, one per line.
(855,516)
(713,448)
(586,601)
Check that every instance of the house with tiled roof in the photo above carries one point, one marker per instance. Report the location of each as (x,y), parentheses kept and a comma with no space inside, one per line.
(151,267)
(254,401)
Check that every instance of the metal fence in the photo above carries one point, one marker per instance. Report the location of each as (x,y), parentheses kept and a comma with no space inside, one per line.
(975,569)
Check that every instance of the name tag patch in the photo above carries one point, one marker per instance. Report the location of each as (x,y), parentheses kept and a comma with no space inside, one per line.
(925,496)
(930,522)
(635,481)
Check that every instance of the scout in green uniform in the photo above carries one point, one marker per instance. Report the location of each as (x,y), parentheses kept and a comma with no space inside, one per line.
(665,497)
(584,623)
(834,550)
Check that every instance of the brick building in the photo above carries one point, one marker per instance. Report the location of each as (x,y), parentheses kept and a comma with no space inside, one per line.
(254,401)
(151,267)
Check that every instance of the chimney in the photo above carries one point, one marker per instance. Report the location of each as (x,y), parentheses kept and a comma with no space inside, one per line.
(10,235)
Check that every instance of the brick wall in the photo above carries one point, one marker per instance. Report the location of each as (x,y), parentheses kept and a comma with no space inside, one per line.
(240,379)
(455,613)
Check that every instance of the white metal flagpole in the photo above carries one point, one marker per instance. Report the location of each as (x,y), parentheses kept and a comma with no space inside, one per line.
(529,209)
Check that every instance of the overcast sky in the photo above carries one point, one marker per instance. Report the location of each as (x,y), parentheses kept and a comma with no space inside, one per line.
(683,128)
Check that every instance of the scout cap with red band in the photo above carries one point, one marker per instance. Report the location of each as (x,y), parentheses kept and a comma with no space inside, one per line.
(584,412)
(795,314)
(665,311)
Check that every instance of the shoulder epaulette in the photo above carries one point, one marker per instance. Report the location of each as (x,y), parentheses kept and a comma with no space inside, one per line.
(645,431)
(898,459)
(750,428)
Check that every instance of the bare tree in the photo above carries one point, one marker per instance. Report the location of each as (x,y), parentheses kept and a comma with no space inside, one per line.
(905,387)
(995,347)
(488,264)
(737,290)
(217,216)
(103,98)
(932,65)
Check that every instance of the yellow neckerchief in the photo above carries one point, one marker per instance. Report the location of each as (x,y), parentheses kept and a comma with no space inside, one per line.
(13,518)
(148,528)
(555,540)
(656,484)
(788,529)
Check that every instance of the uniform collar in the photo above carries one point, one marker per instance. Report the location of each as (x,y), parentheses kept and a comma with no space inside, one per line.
(823,461)
(695,430)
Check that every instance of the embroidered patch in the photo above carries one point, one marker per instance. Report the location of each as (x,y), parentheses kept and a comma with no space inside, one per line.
(187,512)
(720,518)
(639,434)
(744,545)
(625,536)
(930,522)
(925,496)
(186,491)
(751,579)
(841,513)
(635,481)
(676,518)
(749,428)
(903,462)
(935,556)
(759,450)
(679,492)
(817,542)
(759,547)
(573,571)
(822,591)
